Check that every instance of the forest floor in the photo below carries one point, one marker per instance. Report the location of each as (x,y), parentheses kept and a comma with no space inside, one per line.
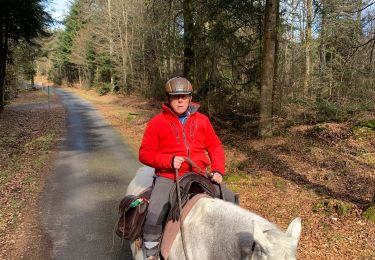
(324,173)
(30,129)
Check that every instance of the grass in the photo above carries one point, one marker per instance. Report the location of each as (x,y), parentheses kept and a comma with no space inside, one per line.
(337,237)
(367,124)
(279,183)
(362,133)
(41,143)
(16,203)
(344,208)
(236,177)
(4,176)
(370,214)
(368,158)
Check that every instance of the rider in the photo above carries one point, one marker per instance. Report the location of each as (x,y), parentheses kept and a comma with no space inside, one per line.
(178,131)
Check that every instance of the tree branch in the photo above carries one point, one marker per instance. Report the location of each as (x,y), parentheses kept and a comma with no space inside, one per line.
(359,10)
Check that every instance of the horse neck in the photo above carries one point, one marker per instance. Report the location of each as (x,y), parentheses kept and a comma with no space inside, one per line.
(236,216)
(236,221)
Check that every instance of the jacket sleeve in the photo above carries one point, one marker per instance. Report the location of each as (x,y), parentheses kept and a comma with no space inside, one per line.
(149,153)
(215,149)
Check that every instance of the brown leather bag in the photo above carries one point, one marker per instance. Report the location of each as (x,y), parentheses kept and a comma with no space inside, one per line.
(131,219)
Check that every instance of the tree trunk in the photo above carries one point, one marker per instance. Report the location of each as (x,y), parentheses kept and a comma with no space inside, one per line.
(322,54)
(79,76)
(267,74)
(277,89)
(307,78)
(188,39)
(123,57)
(110,38)
(125,10)
(3,63)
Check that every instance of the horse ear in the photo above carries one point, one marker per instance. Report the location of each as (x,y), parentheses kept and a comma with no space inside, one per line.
(294,229)
(261,239)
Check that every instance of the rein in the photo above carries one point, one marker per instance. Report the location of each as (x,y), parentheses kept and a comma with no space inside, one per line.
(209,176)
(180,213)
(206,173)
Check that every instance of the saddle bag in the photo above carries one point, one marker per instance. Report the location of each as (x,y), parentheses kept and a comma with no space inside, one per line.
(132,214)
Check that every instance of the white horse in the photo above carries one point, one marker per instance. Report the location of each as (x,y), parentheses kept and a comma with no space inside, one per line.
(216,229)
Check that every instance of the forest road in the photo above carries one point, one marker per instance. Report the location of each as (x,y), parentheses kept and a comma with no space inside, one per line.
(90,175)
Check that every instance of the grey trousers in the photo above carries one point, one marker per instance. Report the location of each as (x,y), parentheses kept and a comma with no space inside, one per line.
(158,210)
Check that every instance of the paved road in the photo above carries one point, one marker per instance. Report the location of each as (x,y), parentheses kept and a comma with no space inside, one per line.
(90,175)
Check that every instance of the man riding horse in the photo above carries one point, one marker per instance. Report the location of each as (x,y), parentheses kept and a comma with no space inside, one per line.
(177,135)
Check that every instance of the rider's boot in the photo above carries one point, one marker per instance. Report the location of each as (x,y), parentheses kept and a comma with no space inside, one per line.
(150,250)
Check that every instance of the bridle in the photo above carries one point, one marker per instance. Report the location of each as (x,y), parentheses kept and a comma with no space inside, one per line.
(252,250)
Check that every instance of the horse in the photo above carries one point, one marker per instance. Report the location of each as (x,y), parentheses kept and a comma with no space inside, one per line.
(216,229)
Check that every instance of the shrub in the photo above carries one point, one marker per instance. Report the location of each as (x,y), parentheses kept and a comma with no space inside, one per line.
(368,124)
(328,111)
(103,88)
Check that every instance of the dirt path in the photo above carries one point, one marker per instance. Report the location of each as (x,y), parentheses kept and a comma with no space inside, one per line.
(90,175)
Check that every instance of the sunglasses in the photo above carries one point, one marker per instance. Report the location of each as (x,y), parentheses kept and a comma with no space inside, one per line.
(180,96)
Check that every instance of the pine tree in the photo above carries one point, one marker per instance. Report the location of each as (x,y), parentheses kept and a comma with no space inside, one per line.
(19,19)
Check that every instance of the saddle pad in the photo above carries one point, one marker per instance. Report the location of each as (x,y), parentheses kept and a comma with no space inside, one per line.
(172,228)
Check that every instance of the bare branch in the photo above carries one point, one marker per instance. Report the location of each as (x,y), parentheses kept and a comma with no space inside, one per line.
(359,10)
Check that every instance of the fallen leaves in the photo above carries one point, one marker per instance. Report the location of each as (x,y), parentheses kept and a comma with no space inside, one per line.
(29,131)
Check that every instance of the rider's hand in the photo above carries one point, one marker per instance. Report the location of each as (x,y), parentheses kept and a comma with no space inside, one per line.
(217,177)
(177,161)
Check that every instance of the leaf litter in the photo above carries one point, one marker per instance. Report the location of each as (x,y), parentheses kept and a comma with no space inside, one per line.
(29,131)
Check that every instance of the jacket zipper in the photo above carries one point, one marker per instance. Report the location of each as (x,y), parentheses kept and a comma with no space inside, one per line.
(185,140)
(184,137)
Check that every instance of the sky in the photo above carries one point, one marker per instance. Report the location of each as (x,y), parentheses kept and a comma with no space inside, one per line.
(58,9)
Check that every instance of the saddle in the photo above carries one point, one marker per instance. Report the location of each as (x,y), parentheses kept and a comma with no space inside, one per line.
(133,209)
(191,184)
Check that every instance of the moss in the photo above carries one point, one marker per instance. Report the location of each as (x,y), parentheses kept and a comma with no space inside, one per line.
(368,124)
(370,214)
(236,177)
(364,129)
(344,208)
(332,206)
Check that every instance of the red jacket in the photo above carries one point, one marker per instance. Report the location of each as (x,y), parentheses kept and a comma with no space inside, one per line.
(166,136)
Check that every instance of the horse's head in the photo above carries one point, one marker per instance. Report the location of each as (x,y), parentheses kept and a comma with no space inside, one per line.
(273,244)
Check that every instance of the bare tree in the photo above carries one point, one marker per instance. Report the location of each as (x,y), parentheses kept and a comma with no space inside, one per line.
(267,74)
(308,41)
